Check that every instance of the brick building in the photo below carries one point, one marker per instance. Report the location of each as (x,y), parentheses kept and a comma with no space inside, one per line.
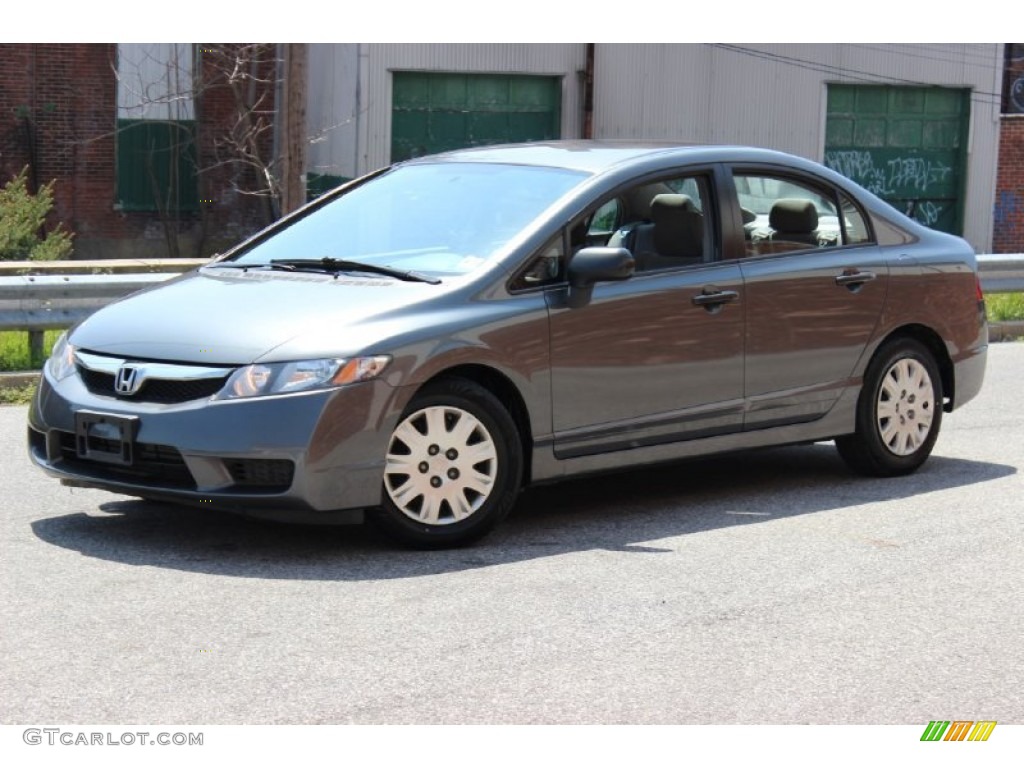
(1008,216)
(140,169)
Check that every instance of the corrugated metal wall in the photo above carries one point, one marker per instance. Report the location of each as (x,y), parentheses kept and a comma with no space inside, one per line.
(764,95)
(775,96)
(331,111)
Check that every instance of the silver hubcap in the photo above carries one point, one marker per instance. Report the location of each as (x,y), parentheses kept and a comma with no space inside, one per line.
(441,465)
(906,404)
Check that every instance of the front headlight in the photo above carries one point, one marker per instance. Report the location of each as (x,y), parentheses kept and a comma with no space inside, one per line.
(262,379)
(62,359)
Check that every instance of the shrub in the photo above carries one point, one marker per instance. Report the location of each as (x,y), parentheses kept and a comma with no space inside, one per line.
(22,215)
(1003,307)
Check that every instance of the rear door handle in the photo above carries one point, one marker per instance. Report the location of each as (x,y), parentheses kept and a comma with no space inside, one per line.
(852,277)
(714,298)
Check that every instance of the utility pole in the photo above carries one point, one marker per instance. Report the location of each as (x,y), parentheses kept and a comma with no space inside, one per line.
(293,115)
(588,93)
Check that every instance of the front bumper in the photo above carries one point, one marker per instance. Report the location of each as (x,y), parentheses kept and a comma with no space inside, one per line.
(284,456)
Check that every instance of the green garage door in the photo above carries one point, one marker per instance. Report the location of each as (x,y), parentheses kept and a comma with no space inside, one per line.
(434,112)
(906,144)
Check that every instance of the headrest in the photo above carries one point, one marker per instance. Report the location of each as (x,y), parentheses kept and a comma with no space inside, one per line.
(678,226)
(666,205)
(793,215)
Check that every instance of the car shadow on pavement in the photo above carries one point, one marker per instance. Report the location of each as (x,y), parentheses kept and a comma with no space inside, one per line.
(617,512)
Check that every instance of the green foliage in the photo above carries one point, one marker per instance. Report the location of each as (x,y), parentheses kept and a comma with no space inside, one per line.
(21,220)
(15,354)
(17,395)
(1003,307)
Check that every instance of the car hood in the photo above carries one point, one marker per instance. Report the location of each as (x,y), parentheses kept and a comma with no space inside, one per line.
(235,318)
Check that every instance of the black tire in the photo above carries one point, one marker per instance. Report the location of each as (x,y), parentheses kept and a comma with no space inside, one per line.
(899,413)
(453,469)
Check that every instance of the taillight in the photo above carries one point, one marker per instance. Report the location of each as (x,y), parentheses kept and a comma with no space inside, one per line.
(980,296)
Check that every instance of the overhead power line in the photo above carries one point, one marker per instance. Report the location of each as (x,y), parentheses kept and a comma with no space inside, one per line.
(978,96)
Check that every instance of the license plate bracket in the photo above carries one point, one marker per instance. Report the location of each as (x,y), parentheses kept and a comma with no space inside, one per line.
(105,437)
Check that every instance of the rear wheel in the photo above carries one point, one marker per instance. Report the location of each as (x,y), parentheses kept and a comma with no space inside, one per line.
(899,412)
(453,467)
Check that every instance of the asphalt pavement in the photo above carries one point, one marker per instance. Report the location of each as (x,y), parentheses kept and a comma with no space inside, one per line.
(769,587)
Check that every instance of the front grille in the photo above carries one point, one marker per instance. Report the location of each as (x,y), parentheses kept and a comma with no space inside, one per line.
(164,391)
(97,382)
(157,465)
(267,474)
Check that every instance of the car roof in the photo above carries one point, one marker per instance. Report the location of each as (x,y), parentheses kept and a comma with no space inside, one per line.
(597,156)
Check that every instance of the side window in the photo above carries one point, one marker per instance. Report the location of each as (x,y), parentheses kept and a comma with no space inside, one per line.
(604,221)
(664,224)
(597,227)
(782,215)
(855,227)
(688,186)
(545,268)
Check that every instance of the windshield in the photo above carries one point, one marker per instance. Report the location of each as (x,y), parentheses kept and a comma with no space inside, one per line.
(442,218)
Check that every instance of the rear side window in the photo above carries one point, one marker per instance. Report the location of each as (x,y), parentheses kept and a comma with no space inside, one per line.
(855,224)
(783,215)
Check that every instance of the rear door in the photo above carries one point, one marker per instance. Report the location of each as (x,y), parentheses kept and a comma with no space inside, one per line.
(814,285)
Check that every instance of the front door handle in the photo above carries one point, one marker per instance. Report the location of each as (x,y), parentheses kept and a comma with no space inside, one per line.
(714,298)
(852,278)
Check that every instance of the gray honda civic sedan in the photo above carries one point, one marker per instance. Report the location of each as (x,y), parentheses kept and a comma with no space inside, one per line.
(420,344)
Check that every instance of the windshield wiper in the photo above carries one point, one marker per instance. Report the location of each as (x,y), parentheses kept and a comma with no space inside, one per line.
(234,265)
(327,264)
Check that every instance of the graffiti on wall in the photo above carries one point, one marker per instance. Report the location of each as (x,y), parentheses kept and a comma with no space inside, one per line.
(1009,210)
(893,177)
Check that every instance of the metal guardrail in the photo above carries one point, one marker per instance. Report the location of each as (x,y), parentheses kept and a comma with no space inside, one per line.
(57,297)
(98,266)
(39,295)
(39,302)
(1001,272)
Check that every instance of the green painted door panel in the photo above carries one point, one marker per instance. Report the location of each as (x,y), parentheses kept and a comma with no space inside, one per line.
(905,144)
(156,165)
(439,111)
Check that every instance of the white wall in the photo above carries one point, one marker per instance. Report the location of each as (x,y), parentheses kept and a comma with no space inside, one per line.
(332,115)
(154,81)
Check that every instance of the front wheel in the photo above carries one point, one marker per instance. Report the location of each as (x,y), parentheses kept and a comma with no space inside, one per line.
(453,467)
(899,412)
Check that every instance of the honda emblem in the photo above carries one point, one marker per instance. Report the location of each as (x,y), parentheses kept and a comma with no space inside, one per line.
(128,380)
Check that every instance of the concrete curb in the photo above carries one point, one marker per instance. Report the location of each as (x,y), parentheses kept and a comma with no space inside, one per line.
(1006,331)
(18,379)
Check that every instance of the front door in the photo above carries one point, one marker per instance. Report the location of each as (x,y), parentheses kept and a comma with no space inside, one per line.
(658,357)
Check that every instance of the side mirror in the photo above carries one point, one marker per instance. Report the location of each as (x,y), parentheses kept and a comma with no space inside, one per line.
(595,265)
